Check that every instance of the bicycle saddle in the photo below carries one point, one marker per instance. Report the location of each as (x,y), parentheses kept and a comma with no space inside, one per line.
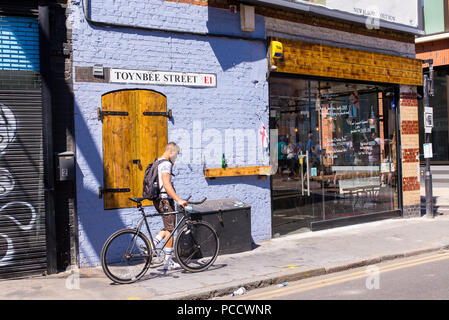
(137,200)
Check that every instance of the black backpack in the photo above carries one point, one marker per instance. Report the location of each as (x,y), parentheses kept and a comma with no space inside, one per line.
(151,188)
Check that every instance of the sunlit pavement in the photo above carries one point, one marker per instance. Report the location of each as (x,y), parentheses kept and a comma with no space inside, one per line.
(282,259)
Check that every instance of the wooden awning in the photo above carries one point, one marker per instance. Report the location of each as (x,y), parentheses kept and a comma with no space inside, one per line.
(313,59)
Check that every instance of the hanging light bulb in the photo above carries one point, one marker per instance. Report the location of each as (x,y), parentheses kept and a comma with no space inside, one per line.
(372,117)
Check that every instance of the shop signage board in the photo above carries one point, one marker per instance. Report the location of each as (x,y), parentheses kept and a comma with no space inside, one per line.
(392,11)
(163,78)
(397,13)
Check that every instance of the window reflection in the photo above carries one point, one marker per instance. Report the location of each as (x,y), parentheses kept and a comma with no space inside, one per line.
(336,151)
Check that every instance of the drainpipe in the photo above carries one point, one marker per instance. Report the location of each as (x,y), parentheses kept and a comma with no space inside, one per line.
(49,182)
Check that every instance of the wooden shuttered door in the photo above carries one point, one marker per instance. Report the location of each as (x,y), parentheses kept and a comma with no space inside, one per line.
(315,59)
(132,139)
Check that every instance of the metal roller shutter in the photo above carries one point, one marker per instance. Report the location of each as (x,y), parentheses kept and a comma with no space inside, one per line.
(22,204)
(22,207)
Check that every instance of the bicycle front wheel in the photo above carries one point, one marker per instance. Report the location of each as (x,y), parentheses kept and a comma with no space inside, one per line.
(126,256)
(196,246)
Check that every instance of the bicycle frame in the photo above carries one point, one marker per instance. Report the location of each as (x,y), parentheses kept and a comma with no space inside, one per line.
(144,219)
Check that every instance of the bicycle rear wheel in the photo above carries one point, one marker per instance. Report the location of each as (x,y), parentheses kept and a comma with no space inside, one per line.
(126,256)
(196,246)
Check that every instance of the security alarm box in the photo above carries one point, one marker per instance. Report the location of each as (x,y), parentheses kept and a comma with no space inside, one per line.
(277,50)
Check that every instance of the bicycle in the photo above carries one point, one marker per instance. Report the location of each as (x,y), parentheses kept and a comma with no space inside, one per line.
(196,247)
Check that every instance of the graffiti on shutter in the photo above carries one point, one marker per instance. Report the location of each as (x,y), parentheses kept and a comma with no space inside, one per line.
(130,142)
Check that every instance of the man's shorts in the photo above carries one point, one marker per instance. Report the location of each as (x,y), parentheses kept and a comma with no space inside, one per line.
(166,205)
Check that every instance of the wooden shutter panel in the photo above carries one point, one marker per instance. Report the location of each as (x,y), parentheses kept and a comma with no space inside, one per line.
(131,141)
(118,148)
(151,132)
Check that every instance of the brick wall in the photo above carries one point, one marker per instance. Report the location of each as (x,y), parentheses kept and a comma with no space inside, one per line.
(306,18)
(240,100)
(410,151)
(194,2)
(179,15)
(202,15)
(436,50)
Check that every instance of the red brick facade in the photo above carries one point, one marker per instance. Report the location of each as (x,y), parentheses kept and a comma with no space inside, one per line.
(409,102)
(410,155)
(436,50)
(410,127)
(195,2)
(410,184)
(410,152)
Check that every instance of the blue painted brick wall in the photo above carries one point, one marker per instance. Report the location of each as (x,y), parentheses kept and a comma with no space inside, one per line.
(171,15)
(19,43)
(240,101)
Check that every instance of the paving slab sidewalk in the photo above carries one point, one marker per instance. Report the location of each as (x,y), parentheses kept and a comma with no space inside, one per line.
(440,198)
(275,261)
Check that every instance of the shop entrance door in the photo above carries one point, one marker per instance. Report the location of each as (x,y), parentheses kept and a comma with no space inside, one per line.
(295,195)
(335,151)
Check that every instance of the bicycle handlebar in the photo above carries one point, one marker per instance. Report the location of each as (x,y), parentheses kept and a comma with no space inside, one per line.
(196,202)
(182,210)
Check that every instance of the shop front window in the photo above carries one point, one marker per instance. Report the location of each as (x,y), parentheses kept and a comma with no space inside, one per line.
(336,151)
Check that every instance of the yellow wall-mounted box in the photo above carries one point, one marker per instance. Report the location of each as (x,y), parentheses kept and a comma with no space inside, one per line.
(277,50)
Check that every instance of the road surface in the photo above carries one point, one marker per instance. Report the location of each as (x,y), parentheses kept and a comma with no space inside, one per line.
(418,277)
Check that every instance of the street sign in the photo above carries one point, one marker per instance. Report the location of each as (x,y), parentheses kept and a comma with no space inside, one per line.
(428,119)
(428,153)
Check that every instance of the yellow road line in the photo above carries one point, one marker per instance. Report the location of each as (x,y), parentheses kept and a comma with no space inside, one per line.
(349,278)
(344,278)
(361,272)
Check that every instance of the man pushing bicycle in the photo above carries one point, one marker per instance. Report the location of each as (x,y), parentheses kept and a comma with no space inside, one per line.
(128,253)
(165,202)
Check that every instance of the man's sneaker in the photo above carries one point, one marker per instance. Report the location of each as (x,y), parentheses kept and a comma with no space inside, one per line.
(171,265)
